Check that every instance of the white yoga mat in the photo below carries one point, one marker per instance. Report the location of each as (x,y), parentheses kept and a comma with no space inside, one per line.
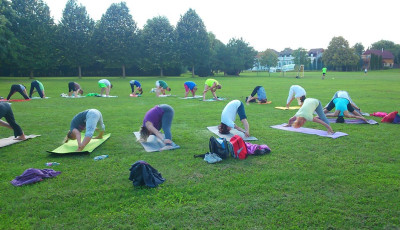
(39,98)
(233,132)
(10,140)
(197,96)
(213,99)
(153,144)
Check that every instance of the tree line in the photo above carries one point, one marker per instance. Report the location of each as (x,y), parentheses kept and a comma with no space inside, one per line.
(31,44)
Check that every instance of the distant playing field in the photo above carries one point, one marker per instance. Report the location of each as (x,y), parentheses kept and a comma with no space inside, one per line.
(306,182)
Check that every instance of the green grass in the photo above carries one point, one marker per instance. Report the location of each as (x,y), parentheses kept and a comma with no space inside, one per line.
(306,182)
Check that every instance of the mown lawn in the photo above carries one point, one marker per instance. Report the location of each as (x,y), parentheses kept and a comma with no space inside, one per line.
(306,182)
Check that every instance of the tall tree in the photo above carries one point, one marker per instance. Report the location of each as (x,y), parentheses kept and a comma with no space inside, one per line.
(217,53)
(269,58)
(359,49)
(35,29)
(9,44)
(159,44)
(115,37)
(75,31)
(240,56)
(193,41)
(339,55)
(300,56)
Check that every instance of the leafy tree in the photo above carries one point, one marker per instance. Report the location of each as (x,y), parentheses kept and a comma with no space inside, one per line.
(240,56)
(159,44)
(9,44)
(300,56)
(359,49)
(193,41)
(115,37)
(75,31)
(218,53)
(35,30)
(269,58)
(339,55)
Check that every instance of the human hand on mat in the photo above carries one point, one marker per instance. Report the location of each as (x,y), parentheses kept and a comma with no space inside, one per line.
(247,134)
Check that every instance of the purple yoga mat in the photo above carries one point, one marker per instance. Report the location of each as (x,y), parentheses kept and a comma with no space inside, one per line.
(318,132)
(354,121)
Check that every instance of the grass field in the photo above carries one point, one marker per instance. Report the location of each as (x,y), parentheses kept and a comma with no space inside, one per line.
(307,181)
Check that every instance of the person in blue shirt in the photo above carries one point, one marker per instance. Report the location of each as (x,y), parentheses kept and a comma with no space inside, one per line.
(138,89)
(261,95)
(343,109)
(190,86)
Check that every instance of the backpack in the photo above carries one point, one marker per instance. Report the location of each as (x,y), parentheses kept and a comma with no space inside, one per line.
(220,146)
(239,147)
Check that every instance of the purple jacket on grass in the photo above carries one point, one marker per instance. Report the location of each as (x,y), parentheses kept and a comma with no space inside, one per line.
(33,175)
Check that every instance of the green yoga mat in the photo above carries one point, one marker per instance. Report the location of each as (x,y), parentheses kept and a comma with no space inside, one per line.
(72,145)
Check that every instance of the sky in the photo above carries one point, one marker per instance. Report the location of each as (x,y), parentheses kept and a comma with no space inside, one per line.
(268,24)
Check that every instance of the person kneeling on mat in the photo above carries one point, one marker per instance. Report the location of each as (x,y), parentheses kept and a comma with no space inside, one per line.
(261,95)
(7,113)
(160,116)
(306,112)
(228,117)
(88,119)
(343,107)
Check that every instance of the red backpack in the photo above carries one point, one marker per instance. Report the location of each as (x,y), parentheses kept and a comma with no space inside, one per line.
(239,147)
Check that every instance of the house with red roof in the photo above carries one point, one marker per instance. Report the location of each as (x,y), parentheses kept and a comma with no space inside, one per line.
(387,57)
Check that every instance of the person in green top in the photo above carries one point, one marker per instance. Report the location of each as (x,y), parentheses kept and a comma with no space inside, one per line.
(161,87)
(37,86)
(323,72)
(212,85)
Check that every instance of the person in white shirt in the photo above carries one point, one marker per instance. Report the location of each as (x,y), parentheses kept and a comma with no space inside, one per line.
(298,92)
(228,118)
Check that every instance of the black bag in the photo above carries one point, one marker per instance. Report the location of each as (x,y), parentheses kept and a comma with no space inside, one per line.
(143,174)
(221,147)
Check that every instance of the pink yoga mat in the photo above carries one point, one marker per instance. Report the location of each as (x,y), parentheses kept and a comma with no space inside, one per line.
(322,133)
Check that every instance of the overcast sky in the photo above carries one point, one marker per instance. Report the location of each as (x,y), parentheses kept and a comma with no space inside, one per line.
(269,23)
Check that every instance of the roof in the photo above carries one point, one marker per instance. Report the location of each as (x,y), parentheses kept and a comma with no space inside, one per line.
(384,53)
(315,51)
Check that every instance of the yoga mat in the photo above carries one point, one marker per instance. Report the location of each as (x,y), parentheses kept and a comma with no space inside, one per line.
(66,96)
(39,98)
(106,96)
(268,102)
(72,145)
(197,96)
(290,107)
(15,100)
(10,140)
(354,121)
(169,95)
(213,99)
(214,129)
(318,132)
(153,144)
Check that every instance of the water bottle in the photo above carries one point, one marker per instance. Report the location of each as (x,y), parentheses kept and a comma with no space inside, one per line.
(101,157)
(51,163)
